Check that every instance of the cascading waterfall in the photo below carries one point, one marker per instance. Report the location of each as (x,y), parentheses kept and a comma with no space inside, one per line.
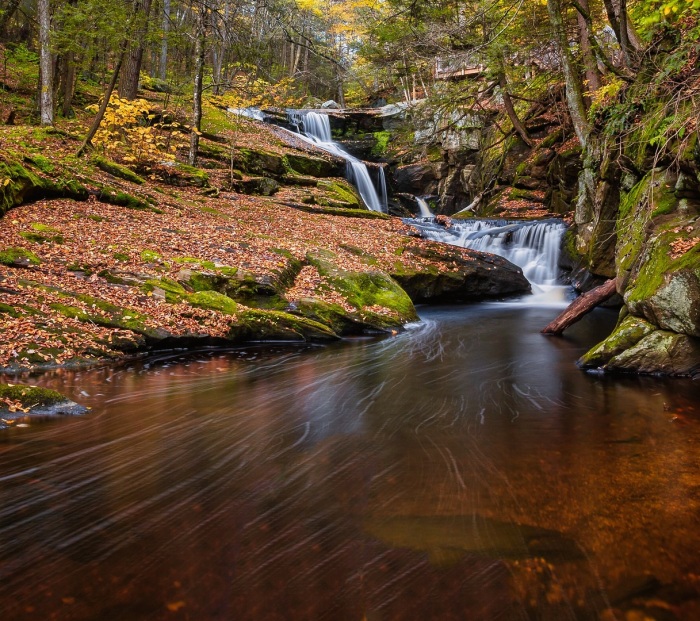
(317,128)
(532,246)
(423,208)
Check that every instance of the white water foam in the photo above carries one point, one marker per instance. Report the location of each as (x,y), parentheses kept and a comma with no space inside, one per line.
(532,246)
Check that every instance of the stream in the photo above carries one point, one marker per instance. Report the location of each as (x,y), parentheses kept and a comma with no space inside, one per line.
(462,469)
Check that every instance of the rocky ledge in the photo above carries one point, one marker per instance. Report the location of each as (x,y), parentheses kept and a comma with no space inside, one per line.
(116,265)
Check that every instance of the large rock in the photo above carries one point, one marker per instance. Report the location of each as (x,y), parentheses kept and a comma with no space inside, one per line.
(659,353)
(657,259)
(415,179)
(471,275)
(658,254)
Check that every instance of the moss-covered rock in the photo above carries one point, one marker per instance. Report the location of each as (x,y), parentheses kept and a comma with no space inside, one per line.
(213,300)
(626,335)
(304,164)
(18,257)
(660,353)
(117,170)
(469,275)
(182,175)
(658,254)
(21,404)
(264,186)
(107,194)
(339,191)
(270,325)
(18,185)
(371,298)
(258,161)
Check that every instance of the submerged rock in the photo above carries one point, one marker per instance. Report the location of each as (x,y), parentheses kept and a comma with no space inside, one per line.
(20,404)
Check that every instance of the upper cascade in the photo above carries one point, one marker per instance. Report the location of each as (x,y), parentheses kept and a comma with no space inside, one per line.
(317,129)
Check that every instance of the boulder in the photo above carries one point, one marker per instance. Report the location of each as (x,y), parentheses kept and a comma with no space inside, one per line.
(471,275)
(416,179)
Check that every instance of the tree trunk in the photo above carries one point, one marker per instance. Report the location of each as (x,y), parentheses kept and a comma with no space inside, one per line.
(574,91)
(129,82)
(67,83)
(199,53)
(163,67)
(589,61)
(581,306)
(510,109)
(105,101)
(45,62)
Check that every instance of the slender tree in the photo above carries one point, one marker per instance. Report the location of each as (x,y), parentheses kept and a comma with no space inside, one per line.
(131,68)
(201,25)
(45,63)
(574,90)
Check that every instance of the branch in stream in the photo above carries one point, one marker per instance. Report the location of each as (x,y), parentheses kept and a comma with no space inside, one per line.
(581,306)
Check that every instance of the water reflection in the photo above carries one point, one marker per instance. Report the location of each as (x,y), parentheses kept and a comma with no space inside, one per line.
(462,470)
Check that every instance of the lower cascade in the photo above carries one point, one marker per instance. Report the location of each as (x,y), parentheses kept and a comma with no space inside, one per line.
(317,129)
(533,246)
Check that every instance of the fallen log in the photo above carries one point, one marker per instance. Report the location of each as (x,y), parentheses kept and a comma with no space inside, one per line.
(582,305)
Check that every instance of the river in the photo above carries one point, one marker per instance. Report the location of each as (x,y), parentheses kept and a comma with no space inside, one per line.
(463,469)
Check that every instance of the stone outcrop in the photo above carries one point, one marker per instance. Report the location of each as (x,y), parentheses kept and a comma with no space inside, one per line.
(638,218)
(474,276)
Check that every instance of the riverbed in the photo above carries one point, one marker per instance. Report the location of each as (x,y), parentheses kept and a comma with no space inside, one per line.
(463,469)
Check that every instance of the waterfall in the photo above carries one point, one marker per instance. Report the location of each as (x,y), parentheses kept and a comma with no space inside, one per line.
(383,189)
(423,208)
(533,246)
(317,128)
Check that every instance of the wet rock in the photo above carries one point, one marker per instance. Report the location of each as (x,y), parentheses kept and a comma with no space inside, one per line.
(415,179)
(21,404)
(264,186)
(470,275)
(626,335)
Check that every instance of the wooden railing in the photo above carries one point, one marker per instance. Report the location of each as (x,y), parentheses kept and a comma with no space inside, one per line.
(457,66)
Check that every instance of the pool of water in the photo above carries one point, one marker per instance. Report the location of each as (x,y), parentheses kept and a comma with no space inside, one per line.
(464,469)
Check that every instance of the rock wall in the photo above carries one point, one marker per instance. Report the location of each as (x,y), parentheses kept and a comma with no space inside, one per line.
(638,219)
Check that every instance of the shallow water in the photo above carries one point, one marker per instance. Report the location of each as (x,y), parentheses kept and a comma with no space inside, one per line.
(464,469)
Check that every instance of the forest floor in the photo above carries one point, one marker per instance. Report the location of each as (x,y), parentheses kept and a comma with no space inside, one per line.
(186,258)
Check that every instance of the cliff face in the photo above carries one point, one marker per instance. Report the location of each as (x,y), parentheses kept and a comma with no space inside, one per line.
(638,216)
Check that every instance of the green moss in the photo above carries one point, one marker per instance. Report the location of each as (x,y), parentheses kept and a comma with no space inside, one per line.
(30,396)
(309,165)
(6,309)
(552,139)
(367,292)
(117,170)
(381,143)
(150,256)
(38,238)
(627,333)
(213,300)
(43,228)
(341,190)
(122,199)
(41,162)
(659,263)
(12,256)
(277,325)
(174,292)
(121,256)
(193,176)
(19,185)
